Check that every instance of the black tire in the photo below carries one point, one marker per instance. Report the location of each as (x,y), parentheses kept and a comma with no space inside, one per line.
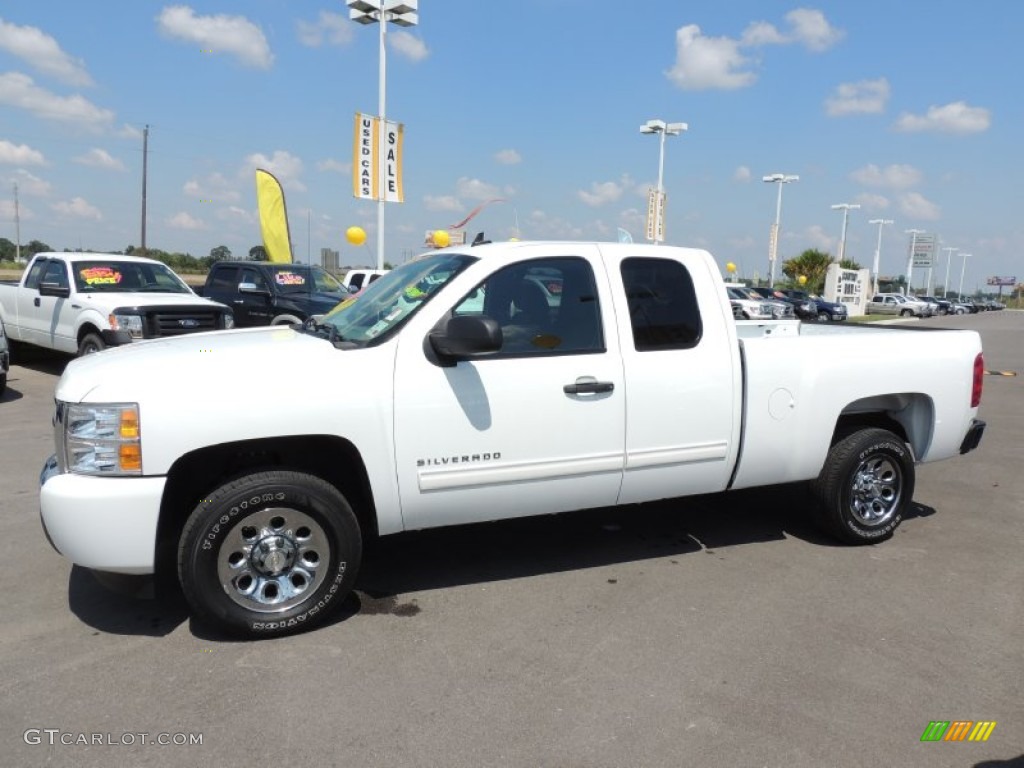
(865,486)
(90,343)
(269,554)
(3,384)
(906,313)
(823,317)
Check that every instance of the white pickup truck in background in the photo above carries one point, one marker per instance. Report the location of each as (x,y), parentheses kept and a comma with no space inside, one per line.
(482,383)
(84,302)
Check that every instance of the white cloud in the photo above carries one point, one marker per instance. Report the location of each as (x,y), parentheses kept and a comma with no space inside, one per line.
(29,184)
(183,220)
(20,154)
(43,53)
(330,164)
(762,33)
(601,193)
(19,90)
(234,35)
(914,205)
(442,203)
(474,189)
(957,117)
(284,165)
(708,62)
(78,208)
(100,158)
(811,28)
(860,98)
(128,132)
(7,211)
(871,202)
(742,173)
(508,157)
(234,213)
(332,28)
(892,176)
(818,238)
(213,187)
(408,45)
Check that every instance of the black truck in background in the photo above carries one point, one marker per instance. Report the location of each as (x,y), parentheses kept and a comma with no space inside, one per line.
(266,293)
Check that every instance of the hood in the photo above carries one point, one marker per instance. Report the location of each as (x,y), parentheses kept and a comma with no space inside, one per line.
(146,299)
(275,359)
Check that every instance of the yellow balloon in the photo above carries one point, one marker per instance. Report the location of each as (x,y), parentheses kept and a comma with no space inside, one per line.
(440,238)
(355,235)
(802,279)
(730,267)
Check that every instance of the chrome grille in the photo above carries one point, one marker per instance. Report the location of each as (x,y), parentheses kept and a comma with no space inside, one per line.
(169,322)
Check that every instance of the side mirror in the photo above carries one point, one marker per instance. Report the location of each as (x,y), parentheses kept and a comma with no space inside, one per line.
(252,288)
(54,289)
(467,336)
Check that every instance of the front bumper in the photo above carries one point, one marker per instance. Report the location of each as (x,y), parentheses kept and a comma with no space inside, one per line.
(973,436)
(103,523)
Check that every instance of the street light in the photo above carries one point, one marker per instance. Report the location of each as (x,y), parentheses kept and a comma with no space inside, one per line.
(402,14)
(910,261)
(960,293)
(878,251)
(845,208)
(773,240)
(949,258)
(654,231)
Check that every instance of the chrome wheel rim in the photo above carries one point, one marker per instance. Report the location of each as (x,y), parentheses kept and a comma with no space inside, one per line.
(876,491)
(273,559)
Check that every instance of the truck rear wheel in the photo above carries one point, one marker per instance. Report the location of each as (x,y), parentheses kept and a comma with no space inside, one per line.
(269,554)
(865,486)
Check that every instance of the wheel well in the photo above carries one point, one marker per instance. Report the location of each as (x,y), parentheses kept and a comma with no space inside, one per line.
(86,329)
(910,416)
(195,475)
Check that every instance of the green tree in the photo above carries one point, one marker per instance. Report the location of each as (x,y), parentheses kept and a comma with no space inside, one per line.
(220,253)
(7,249)
(812,264)
(850,264)
(34,247)
(258,253)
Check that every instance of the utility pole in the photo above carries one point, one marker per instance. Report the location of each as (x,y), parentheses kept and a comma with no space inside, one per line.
(145,159)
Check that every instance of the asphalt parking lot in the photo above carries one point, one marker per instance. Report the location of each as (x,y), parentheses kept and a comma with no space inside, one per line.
(717,631)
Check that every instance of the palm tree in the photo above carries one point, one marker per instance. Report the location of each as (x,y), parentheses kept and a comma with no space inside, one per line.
(812,264)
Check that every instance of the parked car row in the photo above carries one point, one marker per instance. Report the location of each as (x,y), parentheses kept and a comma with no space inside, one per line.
(898,304)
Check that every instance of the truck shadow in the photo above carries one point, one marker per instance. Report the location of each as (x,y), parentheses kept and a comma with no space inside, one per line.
(510,549)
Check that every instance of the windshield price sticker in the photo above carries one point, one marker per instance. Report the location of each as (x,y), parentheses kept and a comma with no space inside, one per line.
(289,278)
(100,276)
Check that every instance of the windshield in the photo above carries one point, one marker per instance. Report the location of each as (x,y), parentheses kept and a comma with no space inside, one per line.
(387,302)
(294,278)
(111,276)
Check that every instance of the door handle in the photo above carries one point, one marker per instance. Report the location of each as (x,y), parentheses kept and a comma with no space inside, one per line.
(239,301)
(586,385)
(35,301)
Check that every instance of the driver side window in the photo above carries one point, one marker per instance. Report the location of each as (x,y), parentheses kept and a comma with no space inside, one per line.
(544,307)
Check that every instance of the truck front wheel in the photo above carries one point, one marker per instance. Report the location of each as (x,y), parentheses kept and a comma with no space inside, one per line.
(866,486)
(91,342)
(269,554)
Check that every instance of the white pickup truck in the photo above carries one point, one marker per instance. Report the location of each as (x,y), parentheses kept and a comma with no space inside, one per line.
(481,383)
(84,302)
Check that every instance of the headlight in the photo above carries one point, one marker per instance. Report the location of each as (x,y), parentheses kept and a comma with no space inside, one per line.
(130,323)
(103,439)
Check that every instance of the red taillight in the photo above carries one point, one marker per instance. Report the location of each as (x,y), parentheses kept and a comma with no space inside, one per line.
(979,377)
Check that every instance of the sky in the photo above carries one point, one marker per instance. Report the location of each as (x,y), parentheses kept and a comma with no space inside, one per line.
(911,110)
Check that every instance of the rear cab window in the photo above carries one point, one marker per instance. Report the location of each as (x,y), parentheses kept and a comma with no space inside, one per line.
(663,308)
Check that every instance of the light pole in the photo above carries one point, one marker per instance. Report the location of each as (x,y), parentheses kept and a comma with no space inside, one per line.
(878,251)
(773,240)
(845,208)
(404,15)
(949,258)
(655,227)
(910,261)
(960,293)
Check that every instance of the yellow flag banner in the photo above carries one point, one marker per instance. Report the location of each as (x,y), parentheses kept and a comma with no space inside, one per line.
(277,240)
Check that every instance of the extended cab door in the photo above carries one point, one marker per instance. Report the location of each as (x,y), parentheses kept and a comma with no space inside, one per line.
(682,375)
(47,321)
(537,427)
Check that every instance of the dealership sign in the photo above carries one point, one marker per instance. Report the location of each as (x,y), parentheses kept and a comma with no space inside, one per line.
(1001,281)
